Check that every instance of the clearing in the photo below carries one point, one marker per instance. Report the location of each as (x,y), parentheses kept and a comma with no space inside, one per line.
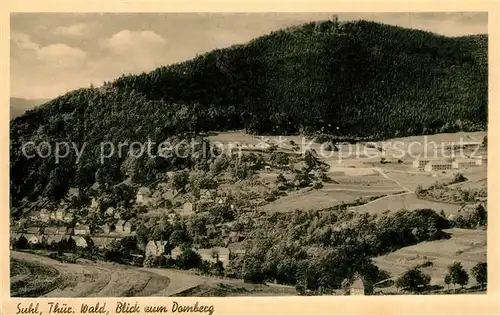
(466,246)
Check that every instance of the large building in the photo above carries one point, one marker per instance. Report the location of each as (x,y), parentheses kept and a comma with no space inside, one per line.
(420,163)
(436,166)
(465,163)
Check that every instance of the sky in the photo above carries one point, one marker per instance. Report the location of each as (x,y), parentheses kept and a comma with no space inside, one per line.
(54,53)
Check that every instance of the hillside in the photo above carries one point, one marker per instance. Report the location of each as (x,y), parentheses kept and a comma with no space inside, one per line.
(367,79)
(19,106)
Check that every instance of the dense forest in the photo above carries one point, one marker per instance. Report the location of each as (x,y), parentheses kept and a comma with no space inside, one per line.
(354,79)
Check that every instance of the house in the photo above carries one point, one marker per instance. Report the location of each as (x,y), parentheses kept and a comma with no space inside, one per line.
(62,230)
(237,248)
(155,248)
(32,239)
(80,242)
(267,168)
(110,211)
(176,252)
(106,228)
(128,227)
(358,286)
(50,231)
(45,215)
(54,239)
(214,254)
(33,230)
(14,237)
(35,215)
(73,193)
(68,217)
(436,165)
(60,213)
(119,226)
(143,196)
(82,229)
(53,215)
(420,163)
(94,203)
(188,207)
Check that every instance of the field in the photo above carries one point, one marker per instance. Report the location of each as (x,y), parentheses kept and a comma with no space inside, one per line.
(36,275)
(467,246)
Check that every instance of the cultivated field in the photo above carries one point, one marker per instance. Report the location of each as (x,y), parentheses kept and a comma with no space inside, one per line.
(467,246)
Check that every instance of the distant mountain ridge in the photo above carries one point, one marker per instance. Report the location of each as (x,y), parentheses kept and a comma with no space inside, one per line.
(18,106)
(359,79)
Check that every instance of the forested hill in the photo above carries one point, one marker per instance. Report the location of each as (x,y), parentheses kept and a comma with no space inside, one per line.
(351,79)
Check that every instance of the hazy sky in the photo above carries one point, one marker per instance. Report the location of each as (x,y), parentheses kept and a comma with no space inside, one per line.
(53,53)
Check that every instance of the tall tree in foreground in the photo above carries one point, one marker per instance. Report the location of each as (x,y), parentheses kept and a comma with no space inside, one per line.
(458,274)
(480,273)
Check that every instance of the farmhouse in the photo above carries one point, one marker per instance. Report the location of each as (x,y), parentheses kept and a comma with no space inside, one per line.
(437,165)
(155,248)
(82,229)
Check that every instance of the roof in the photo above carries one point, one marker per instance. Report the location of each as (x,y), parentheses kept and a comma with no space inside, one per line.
(120,222)
(33,230)
(54,238)
(101,241)
(79,239)
(358,284)
(50,230)
(62,229)
(82,227)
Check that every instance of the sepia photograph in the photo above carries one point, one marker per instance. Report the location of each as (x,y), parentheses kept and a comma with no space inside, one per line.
(247,154)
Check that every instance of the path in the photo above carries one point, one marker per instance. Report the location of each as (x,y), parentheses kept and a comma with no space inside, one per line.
(179,281)
(391,179)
